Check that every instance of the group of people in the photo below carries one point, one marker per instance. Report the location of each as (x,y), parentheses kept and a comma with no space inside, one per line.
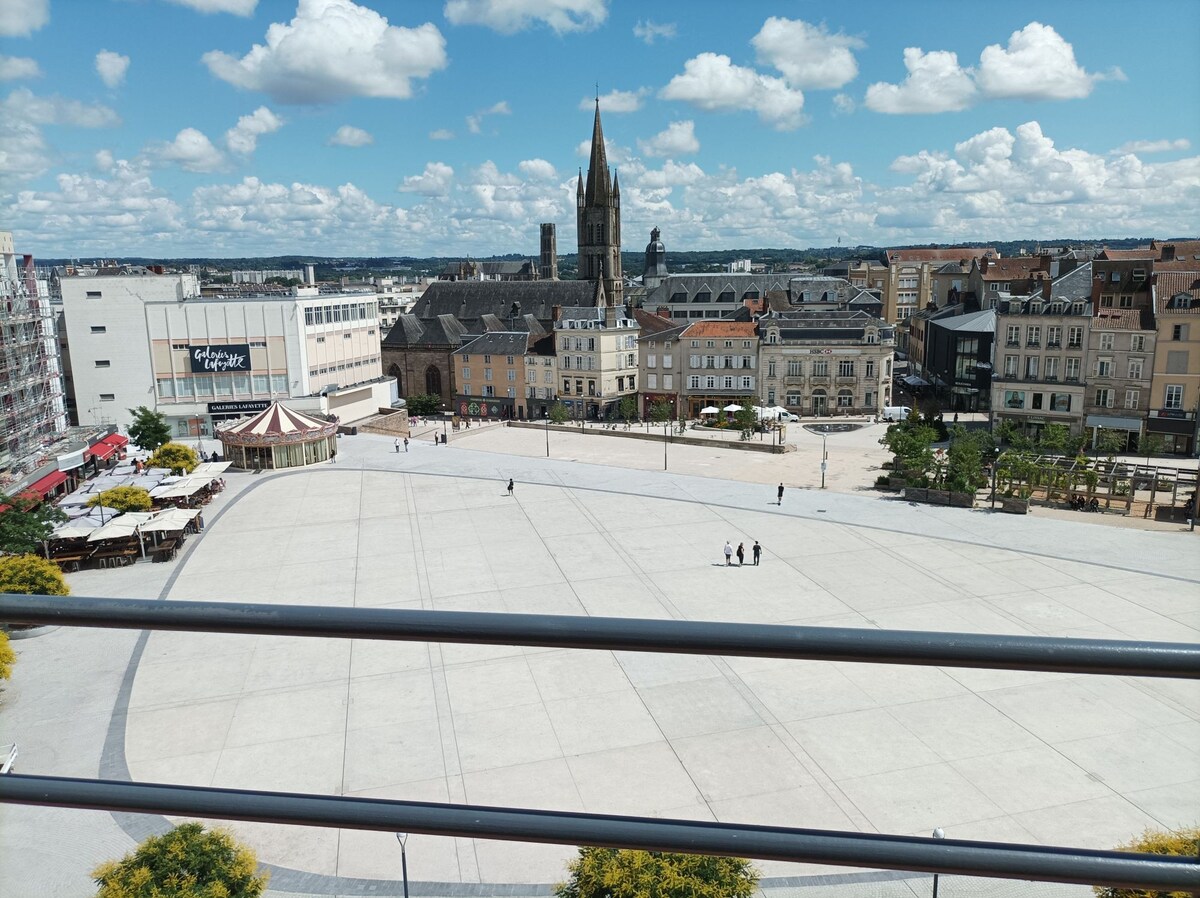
(740,552)
(1079,503)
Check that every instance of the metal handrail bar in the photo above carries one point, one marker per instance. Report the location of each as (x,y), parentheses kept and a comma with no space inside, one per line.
(852,644)
(942,856)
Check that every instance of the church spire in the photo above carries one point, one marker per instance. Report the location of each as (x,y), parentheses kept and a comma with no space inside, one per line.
(599,187)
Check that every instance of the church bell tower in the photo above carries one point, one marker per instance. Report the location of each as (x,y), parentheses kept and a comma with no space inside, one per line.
(598,217)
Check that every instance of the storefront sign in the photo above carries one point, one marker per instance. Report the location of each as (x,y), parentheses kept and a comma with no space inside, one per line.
(250,406)
(1169,413)
(485,408)
(216,359)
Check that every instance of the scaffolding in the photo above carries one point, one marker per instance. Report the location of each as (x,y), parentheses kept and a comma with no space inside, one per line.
(32,407)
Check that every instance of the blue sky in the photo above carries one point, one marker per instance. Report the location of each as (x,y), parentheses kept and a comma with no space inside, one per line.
(333,127)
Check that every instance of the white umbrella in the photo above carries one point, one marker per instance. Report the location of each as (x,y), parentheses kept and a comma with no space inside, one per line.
(710,410)
(733,407)
(75,529)
(170,520)
(211,468)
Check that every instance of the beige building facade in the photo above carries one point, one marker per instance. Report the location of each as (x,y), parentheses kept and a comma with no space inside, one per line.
(597,354)
(1175,384)
(1120,364)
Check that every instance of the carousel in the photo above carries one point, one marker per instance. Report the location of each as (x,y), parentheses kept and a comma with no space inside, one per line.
(277,437)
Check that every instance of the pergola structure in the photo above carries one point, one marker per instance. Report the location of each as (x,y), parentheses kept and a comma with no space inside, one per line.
(277,437)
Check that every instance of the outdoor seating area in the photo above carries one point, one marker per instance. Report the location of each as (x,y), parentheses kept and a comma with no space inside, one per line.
(123,539)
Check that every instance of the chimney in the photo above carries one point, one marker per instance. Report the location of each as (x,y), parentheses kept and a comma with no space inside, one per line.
(555,313)
(1168,252)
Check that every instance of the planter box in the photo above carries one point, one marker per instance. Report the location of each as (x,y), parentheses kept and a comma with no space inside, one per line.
(1013,505)
(940,497)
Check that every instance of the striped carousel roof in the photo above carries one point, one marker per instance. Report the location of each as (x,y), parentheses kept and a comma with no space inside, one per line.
(275,424)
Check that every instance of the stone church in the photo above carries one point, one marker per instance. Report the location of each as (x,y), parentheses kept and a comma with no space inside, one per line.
(418,350)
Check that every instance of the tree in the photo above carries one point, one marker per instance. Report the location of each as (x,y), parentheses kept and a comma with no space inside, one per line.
(558,413)
(123,498)
(1110,441)
(26,523)
(621,873)
(174,456)
(31,574)
(964,460)
(148,428)
(186,862)
(910,443)
(659,411)
(1175,843)
(423,404)
(745,419)
(628,408)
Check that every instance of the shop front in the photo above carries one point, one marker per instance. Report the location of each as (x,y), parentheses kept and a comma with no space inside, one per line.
(649,400)
(487,408)
(1130,427)
(1176,429)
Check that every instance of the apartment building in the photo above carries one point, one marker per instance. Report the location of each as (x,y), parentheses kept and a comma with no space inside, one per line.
(826,362)
(719,364)
(1175,382)
(541,376)
(1122,279)
(1120,365)
(689,297)
(597,359)
(492,376)
(1018,276)
(909,284)
(661,369)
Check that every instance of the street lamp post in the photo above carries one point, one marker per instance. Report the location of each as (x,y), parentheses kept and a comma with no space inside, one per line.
(937,834)
(824,458)
(444,443)
(403,837)
(546,415)
(666,439)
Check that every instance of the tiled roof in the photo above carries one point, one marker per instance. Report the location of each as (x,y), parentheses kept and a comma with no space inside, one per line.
(1183,249)
(1169,284)
(951,253)
(512,343)
(1141,253)
(719,328)
(653,324)
(1017,267)
(1119,320)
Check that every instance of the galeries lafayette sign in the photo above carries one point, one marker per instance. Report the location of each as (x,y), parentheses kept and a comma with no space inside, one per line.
(215,359)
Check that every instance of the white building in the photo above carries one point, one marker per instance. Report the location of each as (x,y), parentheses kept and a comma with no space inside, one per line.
(152,340)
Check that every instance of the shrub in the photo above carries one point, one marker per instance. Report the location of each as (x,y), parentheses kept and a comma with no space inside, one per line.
(619,873)
(175,457)
(423,404)
(7,657)
(1177,843)
(558,413)
(31,574)
(187,862)
(123,498)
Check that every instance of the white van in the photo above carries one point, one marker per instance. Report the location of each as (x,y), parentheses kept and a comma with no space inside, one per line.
(895,413)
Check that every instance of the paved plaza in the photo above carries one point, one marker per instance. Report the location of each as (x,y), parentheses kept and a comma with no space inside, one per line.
(1011,756)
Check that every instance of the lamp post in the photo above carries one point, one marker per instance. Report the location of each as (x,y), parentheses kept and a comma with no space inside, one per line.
(546,415)
(444,443)
(824,457)
(666,439)
(937,834)
(403,837)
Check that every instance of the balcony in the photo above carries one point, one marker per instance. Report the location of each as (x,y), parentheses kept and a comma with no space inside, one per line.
(1054,344)
(846,379)
(819,378)
(1012,342)
(1034,343)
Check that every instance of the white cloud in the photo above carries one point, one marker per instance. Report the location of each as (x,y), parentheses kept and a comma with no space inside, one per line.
(24,105)
(434,181)
(935,83)
(843,104)
(350,136)
(20,18)
(191,150)
(475,122)
(17,68)
(712,82)
(237,7)
(807,55)
(242,138)
(331,50)
(441,134)
(1037,65)
(111,67)
(1153,146)
(651,31)
(679,139)
(511,16)
(616,101)
(538,169)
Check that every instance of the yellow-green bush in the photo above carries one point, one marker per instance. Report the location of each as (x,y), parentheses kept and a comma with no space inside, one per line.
(31,574)
(7,657)
(1176,842)
(175,457)
(123,498)
(622,873)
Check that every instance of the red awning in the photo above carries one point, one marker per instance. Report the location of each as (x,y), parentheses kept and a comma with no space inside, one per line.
(48,484)
(101,450)
(116,440)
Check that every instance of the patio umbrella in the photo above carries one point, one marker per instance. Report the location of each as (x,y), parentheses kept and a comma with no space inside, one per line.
(710,410)
(103,512)
(733,407)
(75,529)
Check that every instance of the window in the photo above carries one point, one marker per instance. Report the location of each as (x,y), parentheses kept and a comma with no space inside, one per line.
(1050,371)
(111,397)
(710,361)
(793,399)
(1104,367)
(794,368)
(512,374)
(166,388)
(1031,367)
(93,294)
(512,393)
(1010,365)
(1114,276)
(345,336)
(845,399)
(1072,372)
(1037,401)
(727,383)
(566,361)
(651,361)
(1137,343)
(747,383)
(487,372)
(489,392)
(1173,398)
(466,372)
(1013,336)
(509,359)
(262,344)
(103,363)
(279,384)
(1053,336)
(668,381)
(1106,342)
(694,382)
(1126,302)
(1177,362)
(1131,398)
(179,346)
(709,344)
(99,329)
(710,383)
(745,344)
(1139,274)
(870,372)
(652,381)
(1106,301)
(695,344)
(1033,336)
(566,386)
(466,358)
(1104,398)
(1074,337)
(667,361)
(204,384)
(693,361)
(320,339)
(1135,369)
(820,369)
(846,368)
(1014,399)
(1179,332)
(262,383)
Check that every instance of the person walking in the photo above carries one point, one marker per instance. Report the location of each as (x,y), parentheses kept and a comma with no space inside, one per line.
(756,550)
(741,554)
(779,495)
(406,444)
(397,444)
(333,457)
(728,554)
(510,486)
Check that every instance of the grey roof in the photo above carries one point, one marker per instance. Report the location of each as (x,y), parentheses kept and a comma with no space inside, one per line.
(1074,286)
(975,322)
(497,343)
(715,283)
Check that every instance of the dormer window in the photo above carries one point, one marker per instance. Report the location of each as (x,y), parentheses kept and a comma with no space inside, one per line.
(773,337)
(1139,274)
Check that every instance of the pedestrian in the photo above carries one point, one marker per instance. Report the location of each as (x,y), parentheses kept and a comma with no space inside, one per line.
(333,456)
(756,549)
(956,417)
(741,554)
(728,554)
(397,444)
(779,495)
(406,444)
(510,486)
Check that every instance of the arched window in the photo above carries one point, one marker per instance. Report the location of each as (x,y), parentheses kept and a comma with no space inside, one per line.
(433,380)
(394,371)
